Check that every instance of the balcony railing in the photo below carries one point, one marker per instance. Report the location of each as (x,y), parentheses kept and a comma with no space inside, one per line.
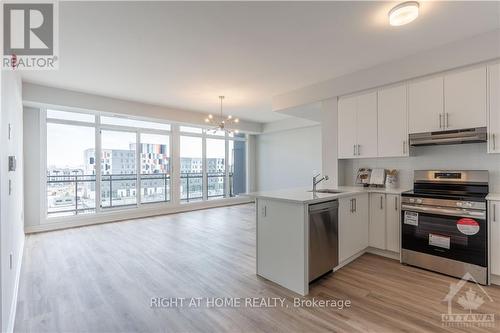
(76,194)
(155,187)
(70,194)
(191,186)
(118,190)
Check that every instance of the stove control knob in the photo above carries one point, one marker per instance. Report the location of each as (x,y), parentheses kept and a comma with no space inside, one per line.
(459,204)
(412,200)
(419,201)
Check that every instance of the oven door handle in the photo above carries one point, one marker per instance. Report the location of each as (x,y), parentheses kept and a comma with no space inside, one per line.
(446,211)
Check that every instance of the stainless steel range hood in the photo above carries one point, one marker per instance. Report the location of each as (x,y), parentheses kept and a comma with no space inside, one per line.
(469,135)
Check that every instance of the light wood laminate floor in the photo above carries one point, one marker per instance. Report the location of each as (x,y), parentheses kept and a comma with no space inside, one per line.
(102,278)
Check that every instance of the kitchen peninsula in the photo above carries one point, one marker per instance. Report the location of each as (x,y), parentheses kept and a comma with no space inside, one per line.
(285,240)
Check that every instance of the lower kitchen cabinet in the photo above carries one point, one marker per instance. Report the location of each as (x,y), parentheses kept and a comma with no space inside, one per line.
(384,221)
(377,220)
(494,215)
(353,225)
(393,219)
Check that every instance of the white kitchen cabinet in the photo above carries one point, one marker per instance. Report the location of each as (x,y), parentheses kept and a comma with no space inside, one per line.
(384,221)
(393,222)
(465,99)
(494,216)
(367,125)
(353,225)
(377,221)
(425,105)
(392,122)
(347,126)
(494,109)
(357,126)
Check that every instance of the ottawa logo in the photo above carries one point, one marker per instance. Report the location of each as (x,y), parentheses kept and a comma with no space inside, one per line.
(468,295)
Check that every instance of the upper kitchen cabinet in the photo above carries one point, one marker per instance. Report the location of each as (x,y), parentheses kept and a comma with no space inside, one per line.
(425,105)
(357,116)
(367,125)
(347,127)
(392,122)
(465,99)
(494,109)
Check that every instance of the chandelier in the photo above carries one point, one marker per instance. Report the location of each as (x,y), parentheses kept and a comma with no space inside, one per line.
(220,122)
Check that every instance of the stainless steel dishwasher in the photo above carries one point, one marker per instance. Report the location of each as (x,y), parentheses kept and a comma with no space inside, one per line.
(323,238)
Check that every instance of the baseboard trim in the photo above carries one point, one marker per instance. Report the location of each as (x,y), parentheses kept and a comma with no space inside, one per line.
(13,306)
(495,279)
(128,214)
(349,260)
(371,250)
(384,253)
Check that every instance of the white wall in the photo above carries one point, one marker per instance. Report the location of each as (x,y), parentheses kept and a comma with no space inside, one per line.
(11,205)
(287,159)
(32,161)
(464,52)
(453,157)
(37,95)
(329,141)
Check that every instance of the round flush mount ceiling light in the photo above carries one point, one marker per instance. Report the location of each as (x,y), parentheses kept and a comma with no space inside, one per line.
(403,13)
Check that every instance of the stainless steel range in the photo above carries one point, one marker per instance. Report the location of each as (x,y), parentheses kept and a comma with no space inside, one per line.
(444,223)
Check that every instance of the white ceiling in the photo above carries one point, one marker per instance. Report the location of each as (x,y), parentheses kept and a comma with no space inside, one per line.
(184,55)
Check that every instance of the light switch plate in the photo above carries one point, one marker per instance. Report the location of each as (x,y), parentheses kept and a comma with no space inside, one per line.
(12,163)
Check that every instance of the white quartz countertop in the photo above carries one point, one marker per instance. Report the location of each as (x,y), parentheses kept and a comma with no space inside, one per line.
(493,197)
(304,196)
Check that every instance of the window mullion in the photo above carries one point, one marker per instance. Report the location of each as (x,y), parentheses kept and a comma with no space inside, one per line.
(138,152)
(98,162)
(204,189)
(226,168)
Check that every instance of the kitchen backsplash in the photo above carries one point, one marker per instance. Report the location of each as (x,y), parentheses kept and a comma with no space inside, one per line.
(454,157)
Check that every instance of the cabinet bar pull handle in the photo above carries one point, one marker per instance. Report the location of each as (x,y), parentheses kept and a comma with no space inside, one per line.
(355,205)
(354,150)
(359,149)
(381,202)
(494,143)
(404,146)
(395,203)
(494,212)
(440,120)
(446,120)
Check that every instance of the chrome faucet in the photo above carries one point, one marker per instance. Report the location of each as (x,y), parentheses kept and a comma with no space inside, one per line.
(317,181)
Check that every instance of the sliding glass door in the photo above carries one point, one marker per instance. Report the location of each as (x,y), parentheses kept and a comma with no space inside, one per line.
(70,170)
(118,168)
(191,159)
(216,167)
(155,168)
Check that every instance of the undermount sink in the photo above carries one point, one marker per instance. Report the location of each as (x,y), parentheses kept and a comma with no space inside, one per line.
(327,191)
